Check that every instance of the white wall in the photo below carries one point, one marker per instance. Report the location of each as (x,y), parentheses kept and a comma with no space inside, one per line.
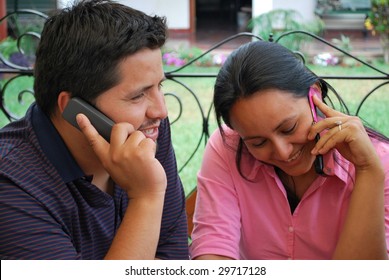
(304,7)
(64,3)
(261,7)
(177,12)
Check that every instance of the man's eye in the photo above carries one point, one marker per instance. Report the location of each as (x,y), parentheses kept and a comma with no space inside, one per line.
(139,96)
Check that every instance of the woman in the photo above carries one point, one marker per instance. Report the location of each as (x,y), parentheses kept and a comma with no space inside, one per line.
(259,194)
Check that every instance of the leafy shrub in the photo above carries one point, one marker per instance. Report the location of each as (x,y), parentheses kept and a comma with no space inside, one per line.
(182,56)
(279,21)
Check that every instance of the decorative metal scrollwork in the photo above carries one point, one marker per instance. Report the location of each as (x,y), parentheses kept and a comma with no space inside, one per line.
(201,125)
(23,27)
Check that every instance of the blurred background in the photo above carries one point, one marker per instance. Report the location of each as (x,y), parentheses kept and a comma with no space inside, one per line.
(202,23)
(359,27)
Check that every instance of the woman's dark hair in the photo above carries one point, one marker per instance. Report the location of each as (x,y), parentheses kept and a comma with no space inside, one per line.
(258,66)
(81,47)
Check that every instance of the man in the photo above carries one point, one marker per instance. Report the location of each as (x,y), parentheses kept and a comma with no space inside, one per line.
(67,193)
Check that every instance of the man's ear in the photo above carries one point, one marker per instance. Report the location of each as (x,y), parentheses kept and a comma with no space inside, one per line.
(62,101)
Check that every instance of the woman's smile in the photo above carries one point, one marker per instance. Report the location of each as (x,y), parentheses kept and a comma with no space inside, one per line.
(295,156)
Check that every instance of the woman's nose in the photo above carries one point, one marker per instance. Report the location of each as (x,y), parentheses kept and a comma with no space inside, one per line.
(282,149)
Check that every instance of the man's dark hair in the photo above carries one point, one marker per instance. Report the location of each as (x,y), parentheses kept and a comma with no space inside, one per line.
(81,47)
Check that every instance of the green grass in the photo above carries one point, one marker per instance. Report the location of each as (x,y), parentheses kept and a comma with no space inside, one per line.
(187,131)
(375,110)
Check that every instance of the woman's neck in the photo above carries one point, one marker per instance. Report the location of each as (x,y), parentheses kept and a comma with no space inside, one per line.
(297,185)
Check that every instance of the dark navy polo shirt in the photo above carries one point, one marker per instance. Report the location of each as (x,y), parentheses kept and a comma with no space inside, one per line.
(49,209)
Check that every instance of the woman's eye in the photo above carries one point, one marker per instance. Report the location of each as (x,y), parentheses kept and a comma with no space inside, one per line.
(290,130)
(259,144)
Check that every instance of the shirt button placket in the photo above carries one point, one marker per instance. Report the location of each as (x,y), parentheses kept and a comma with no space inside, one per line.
(290,242)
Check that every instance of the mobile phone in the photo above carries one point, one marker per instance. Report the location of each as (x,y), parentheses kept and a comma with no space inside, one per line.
(319,162)
(101,122)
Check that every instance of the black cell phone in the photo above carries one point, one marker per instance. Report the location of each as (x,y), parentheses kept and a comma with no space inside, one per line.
(319,162)
(101,122)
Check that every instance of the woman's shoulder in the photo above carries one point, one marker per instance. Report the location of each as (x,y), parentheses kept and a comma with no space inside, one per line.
(224,140)
(382,147)
(226,135)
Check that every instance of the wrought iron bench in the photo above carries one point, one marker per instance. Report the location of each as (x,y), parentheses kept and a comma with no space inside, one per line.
(189,96)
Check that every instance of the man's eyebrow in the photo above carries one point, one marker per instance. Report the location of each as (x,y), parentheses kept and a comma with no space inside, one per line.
(145,88)
(276,128)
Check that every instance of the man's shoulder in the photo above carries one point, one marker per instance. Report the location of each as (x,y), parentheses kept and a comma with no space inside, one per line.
(18,149)
(164,137)
(164,127)
(14,135)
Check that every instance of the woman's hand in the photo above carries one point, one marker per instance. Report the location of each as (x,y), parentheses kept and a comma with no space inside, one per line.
(363,233)
(129,158)
(345,133)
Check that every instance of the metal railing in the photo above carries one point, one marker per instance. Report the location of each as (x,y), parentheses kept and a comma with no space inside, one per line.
(180,77)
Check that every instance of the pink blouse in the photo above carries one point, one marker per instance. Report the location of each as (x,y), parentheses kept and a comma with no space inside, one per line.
(244,219)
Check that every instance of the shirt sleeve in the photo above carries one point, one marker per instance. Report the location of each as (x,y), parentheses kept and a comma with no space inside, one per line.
(28,231)
(383,152)
(217,213)
(173,242)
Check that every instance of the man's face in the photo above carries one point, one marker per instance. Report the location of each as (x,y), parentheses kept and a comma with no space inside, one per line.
(138,98)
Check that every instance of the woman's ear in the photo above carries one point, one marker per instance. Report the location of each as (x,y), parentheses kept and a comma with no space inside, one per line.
(323,88)
(321,93)
(317,87)
(62,101)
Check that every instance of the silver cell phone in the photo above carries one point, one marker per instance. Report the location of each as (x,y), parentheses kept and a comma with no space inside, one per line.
(101,122)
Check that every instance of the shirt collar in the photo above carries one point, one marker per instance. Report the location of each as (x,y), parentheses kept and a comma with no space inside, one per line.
(53,146)
(336,165)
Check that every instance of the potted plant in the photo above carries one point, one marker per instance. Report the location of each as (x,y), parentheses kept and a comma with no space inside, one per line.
(279,21)
(377,21)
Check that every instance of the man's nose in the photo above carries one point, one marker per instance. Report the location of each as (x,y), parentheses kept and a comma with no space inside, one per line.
(157,108)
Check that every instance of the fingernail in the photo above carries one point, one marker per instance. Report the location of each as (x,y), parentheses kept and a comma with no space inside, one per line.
(78,118)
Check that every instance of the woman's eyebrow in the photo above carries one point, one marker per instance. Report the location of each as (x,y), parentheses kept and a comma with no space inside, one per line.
(284,121)
(275,129)
(251,137)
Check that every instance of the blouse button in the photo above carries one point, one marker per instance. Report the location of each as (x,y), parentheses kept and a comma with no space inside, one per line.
(291,229)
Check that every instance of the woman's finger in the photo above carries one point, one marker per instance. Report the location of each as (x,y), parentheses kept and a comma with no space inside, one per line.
(335,135)
(325,125)
(326,110)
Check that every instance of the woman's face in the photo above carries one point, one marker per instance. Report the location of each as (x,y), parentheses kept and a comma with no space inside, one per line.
(274,126)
